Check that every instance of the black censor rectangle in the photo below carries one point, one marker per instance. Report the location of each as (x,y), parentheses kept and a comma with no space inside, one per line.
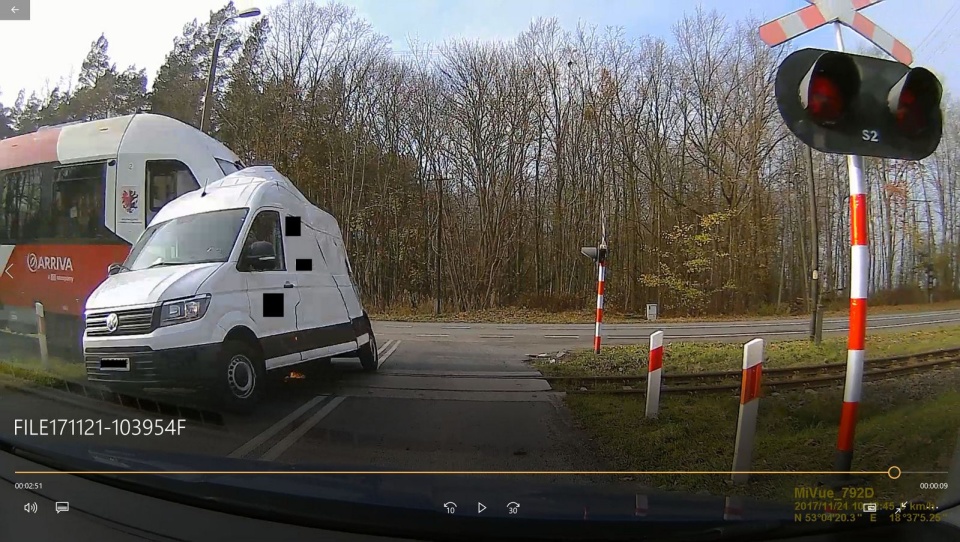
(14,10)
(272,305)
(293,226)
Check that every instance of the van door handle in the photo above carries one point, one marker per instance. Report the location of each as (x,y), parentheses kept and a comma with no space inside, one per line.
(287,285)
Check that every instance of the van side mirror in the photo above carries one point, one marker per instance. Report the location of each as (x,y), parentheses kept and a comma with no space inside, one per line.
(261,256)
(113,269)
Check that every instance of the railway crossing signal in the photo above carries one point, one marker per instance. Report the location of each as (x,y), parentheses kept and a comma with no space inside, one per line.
(852,104)
(597,254)
(849,104)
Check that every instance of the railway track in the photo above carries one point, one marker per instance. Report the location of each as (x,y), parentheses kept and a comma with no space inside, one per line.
(779,378)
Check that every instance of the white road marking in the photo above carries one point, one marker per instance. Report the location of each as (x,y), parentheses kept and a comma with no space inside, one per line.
(455,327)
(496,336)
(291,439)
(382,357)
(561,336)
(271,431)
(433,335)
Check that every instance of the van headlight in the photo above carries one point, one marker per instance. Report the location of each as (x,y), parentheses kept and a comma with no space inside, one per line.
(184,310)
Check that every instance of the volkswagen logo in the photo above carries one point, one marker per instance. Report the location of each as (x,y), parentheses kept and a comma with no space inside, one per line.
(113,322)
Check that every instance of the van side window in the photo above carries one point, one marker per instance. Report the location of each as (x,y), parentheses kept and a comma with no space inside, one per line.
(167,180)
(265,227)
(227,167)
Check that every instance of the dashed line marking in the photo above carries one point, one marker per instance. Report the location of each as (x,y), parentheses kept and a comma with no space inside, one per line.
(387,351)
(291,439)
(274,429)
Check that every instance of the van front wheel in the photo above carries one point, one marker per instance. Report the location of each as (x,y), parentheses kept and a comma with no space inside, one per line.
(242,377)
(369,357)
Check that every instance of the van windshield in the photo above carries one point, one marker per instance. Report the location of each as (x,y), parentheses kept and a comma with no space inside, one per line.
(199,238)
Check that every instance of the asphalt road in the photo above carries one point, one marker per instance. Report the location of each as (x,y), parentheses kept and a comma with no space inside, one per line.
(429,407)
(550,336)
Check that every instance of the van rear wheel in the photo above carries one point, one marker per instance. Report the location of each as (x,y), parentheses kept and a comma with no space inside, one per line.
(369,357)
(241,377)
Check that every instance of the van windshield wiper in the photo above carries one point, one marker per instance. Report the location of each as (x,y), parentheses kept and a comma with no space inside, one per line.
(191,262)
(161,264)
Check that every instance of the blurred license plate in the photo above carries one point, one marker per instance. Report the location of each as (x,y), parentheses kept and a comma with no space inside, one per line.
(114,364)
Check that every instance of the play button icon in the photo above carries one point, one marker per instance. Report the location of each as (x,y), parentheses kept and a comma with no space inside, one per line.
(480,507)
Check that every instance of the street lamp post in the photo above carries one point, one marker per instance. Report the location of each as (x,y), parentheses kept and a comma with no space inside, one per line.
(212,74)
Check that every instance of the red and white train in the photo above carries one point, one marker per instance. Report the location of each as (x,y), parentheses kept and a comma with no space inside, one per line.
(74,197)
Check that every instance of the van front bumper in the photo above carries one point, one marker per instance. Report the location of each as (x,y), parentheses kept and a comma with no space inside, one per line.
(186,367)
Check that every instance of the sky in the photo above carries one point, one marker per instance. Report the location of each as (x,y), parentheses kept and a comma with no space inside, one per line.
(51,46)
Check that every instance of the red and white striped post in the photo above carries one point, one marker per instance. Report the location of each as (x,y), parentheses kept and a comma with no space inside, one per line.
(654,373)
(857,334)
(749,407)
(859,268)
(601,264)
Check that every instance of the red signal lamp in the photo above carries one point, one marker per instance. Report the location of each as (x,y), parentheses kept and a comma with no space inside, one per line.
(914,102)
(828,88)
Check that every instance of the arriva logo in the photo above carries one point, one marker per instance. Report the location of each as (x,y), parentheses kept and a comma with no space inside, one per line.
(48,263)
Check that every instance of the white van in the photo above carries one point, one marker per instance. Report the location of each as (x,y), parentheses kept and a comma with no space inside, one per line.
(228,282)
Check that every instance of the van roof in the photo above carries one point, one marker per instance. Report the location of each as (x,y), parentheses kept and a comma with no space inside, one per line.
(249,188)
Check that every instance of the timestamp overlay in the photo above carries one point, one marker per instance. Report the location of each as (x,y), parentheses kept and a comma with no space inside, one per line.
(859,503)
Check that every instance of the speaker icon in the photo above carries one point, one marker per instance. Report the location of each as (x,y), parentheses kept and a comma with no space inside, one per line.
(30,508)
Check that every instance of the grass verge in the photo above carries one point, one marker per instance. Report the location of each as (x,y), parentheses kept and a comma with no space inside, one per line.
(681,357)
(519,315)
(32,369)
(911,422)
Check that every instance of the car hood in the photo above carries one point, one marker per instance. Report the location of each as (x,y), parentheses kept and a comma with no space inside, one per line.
(147,286)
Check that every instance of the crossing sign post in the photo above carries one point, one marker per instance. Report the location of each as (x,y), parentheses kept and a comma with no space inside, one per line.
(840,12)
(829,99)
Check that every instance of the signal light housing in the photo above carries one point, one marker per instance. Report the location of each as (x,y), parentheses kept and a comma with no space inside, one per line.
(852,104)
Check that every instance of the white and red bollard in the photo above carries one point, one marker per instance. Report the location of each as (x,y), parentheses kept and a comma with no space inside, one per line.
(749,408)
(596,335)
(654,374)
(732,509)
(859,276)
(642,506)
(42,335)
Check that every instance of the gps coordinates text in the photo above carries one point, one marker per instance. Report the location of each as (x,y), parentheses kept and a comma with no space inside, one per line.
(92,427)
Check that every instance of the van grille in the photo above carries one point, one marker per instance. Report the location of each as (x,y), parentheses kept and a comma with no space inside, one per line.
(132,322)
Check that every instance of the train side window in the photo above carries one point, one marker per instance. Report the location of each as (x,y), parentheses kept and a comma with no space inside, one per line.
(78,194)
(166,181)
(21,216)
